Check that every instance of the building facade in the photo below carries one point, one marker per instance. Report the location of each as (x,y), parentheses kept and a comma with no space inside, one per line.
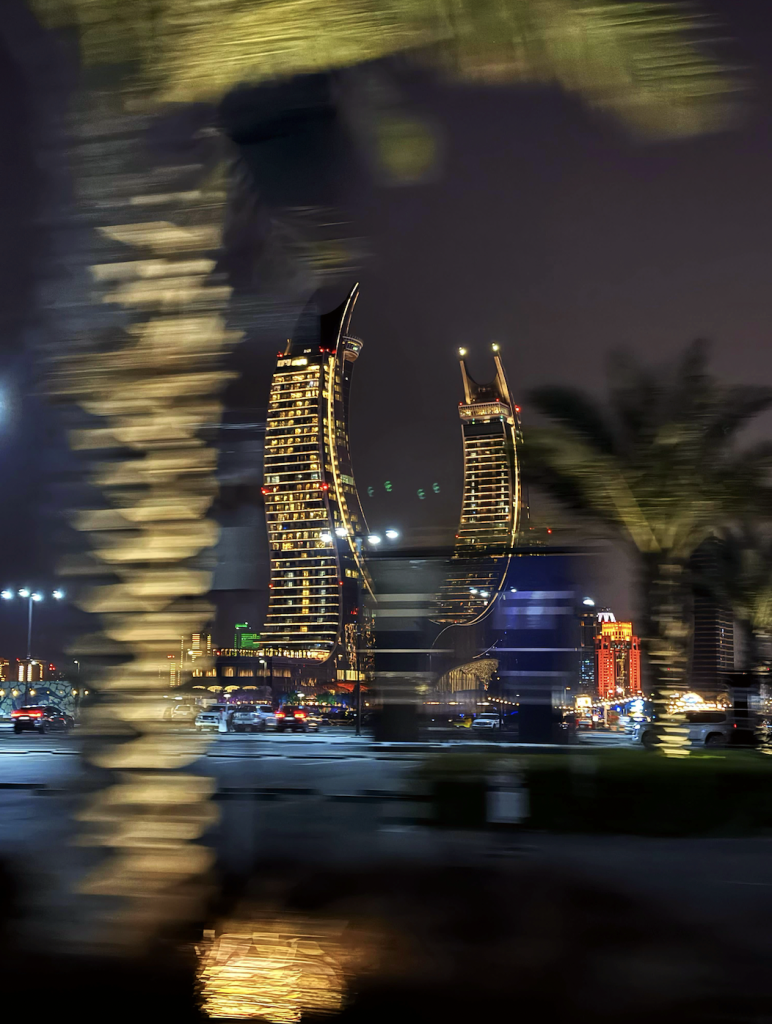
(491,504)
(618,660)
(712,654)
(316,526)
(589,628)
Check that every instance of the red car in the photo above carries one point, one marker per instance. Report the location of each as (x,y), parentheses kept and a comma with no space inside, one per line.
(41,718)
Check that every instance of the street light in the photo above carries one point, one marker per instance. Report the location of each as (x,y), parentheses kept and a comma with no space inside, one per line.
(392,534)
(31,597)
(373,539)
(589,602)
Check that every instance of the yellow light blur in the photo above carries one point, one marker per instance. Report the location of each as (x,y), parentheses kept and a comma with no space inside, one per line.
(462,352)
(641,62)
(278,969)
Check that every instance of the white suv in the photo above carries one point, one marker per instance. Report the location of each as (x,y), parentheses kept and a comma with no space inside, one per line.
(210,717)
(706,729)
(253,718)
(488,720)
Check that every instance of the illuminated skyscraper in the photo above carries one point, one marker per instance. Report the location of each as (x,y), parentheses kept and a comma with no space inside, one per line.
(618,665)
(193,646)
(315,521)
(490,510)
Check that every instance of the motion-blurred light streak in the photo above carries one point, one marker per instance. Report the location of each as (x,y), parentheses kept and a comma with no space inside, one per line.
(280,969)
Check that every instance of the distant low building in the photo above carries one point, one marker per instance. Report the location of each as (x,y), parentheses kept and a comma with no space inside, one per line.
(31,670)
(618,660)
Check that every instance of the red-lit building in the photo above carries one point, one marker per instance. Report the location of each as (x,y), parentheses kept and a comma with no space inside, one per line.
(617,661)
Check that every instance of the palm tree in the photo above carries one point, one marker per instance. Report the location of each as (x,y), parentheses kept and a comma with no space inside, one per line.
(144,362)
(659,466)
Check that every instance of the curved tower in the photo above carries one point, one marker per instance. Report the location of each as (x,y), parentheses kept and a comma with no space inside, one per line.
(490,510)
(314,516)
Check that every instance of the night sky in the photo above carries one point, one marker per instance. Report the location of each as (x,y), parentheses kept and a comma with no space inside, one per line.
(555,234)
(548,230)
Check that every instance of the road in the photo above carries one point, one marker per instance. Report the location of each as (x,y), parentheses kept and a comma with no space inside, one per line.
(279,796)
(333,799)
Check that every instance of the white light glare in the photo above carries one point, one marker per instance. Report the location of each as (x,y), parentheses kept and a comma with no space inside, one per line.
(340,531)
(485,593)
(325,537)
(37,597)
(495,347)
(462,352)
(392,534)
(24,592)
(7,595)
(589,602)
(513,590)
(374,539)
(58,594)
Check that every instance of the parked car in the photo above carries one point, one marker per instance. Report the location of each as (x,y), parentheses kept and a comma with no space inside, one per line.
(41,718)
(182,712)
(315,719)
(253,718)
(209,718)
(488,720)
(706,729)
(296,720)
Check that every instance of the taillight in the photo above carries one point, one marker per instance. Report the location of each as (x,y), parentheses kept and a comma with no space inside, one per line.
(300,714)
(280,714)
(26,711)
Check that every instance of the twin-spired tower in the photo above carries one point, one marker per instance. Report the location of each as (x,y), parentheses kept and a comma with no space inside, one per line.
(490,509)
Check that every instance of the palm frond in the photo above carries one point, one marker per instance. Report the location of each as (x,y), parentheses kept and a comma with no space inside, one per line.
(640,61)
(740,404)
(579,413)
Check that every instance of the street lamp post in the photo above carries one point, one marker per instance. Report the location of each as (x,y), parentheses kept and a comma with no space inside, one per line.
(31,597)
